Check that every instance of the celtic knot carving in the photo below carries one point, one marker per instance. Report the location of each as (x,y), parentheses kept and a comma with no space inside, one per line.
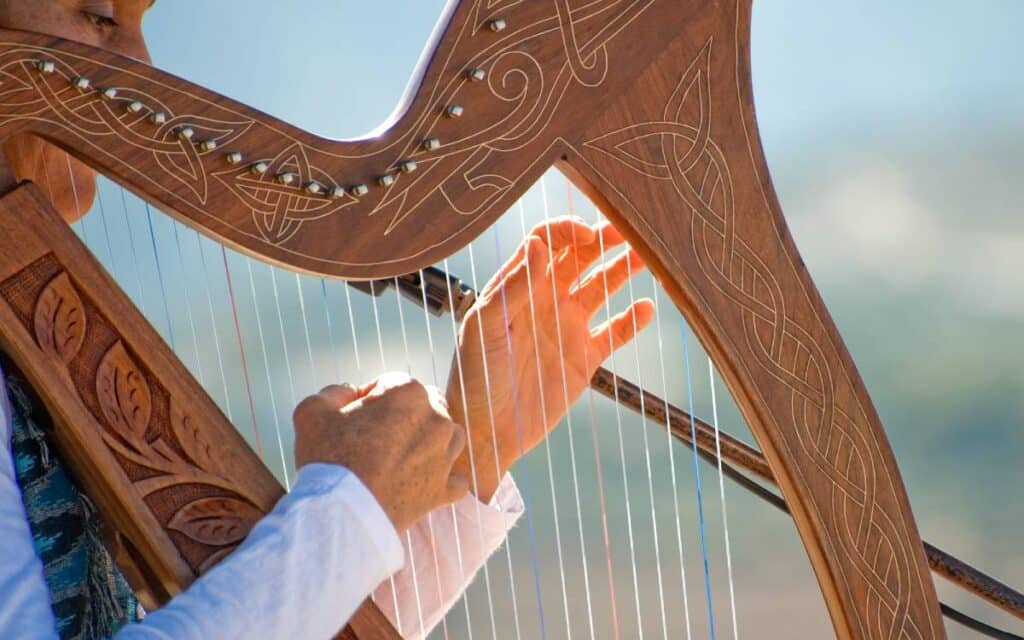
(679,150)
(95,116)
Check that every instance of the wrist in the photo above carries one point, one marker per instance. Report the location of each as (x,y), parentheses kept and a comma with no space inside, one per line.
(483,470)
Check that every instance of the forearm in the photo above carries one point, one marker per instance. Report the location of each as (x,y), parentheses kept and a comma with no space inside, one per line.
(302,572)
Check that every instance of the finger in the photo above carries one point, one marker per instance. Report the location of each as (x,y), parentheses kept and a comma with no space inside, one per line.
(312,408)
(438,401)
(458,487)
(559,233)
(457,443)
(621,328)
(604,282)
(340,395)
(606,237)
(385,382)
(519,285)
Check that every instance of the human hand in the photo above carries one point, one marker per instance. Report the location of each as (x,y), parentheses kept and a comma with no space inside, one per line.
(524,364)
(394,434)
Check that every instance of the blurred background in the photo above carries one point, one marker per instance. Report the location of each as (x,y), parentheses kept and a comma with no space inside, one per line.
(895,138)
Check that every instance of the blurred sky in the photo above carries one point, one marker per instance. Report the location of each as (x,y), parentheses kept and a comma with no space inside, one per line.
(895,136)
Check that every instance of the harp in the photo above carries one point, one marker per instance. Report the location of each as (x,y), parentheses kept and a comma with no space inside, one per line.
(646,106)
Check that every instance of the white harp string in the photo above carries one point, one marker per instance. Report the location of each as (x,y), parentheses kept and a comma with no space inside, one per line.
(384,367)
(457,363)
(647,450)
(524,481)
(622,447)
(670,444)
(451,509)
(721,492)
(490,414)
(568,413)
(547,442)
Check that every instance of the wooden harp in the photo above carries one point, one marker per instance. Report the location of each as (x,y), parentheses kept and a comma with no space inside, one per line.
(646,105)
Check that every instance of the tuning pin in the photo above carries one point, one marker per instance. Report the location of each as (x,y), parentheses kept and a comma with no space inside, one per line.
(259,168)
(286,178)
(46,66)
(359,190)
(338,192)
(186,133)
(407,166)
(497,25)
(454,111)
(314,188)
(386,180)
(81,82)
(431,144)
(134,107)
(158,117)
(109,93)
(207,146)
(477,74)
(235,157)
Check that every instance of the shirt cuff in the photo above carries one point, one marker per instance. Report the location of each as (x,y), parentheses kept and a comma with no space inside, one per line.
(320,478)
(445,551)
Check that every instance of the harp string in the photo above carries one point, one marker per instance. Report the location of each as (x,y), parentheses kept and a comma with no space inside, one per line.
(384,367)
(490,414)
(647,451)
(159,270)
(451,508)
(568,413)
(697,484)
(266,367)
(292,395)
(524,477)
(457,363)
(602,505)
(188,303)
(547,441)
(243,360)
(408,535)
(721,493)
(621,443)
(213,326)
(670,445)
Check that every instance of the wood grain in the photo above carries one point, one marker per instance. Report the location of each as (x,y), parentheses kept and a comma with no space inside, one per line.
(647,106)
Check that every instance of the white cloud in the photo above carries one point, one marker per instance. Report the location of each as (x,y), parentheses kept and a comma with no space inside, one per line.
(870,222)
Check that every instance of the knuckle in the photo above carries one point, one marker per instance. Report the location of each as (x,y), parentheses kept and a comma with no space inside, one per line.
(306,409)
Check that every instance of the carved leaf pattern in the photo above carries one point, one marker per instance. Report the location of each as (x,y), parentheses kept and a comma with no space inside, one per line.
(59,319)
(189,436)
(123,393)
(215,521)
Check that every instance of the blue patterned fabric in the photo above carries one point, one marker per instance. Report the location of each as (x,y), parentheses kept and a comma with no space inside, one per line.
(90,597)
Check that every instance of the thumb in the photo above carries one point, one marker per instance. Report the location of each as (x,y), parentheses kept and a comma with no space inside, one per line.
(339,395)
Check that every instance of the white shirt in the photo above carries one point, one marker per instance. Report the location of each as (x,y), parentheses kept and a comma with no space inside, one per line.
(301,573)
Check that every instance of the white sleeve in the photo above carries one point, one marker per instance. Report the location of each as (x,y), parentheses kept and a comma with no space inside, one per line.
(25,601)
(445,551)
(302,572)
